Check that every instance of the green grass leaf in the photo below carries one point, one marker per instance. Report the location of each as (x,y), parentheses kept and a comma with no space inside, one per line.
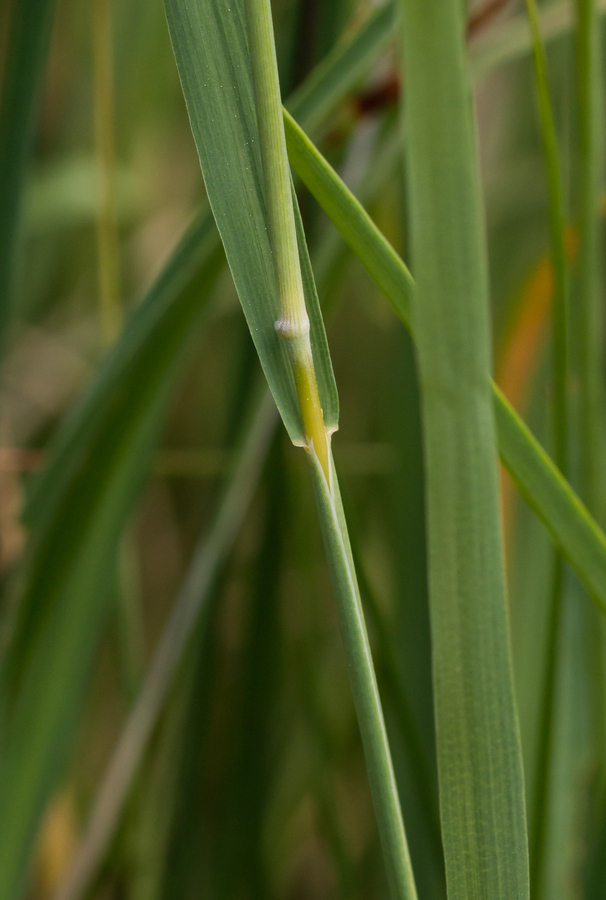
(26,53)
(209,44)
(482,802)
(250,197)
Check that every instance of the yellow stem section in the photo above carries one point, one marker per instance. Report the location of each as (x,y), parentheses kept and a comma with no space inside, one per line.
(309,400)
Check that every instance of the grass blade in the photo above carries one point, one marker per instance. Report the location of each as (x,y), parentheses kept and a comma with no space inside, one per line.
(214,70)
(116,785)
(334,77)
(512,39)
(80,472)
(224,127)
(76,513)
(547,743)
(481,780)
(28,43)
(208,556)
(571,526)
(588,319)
(108,249)
(363,683)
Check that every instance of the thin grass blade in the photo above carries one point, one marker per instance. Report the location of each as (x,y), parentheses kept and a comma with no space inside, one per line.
(27,50)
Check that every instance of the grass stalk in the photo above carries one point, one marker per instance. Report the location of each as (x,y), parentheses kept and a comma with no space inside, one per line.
(363,682)
(26,54)
(588,352)
(557,232)
(108,253)
(293,326)
(560,405)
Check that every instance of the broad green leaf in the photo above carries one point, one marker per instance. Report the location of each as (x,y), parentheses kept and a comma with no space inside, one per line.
(482,802)
(210,49)
(98,455)
(573,529)
(26,52)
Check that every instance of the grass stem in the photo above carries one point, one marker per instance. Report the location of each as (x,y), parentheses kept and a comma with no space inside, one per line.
(293,323)
(107,224)
(546,748)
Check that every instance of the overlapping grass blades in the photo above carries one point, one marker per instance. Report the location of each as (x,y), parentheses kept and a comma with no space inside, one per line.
(482,804)
(217,85)
(210,45)
(539,480)
(98,461)
(76,514)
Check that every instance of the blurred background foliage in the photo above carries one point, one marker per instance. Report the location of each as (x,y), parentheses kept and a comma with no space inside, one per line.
(252,784)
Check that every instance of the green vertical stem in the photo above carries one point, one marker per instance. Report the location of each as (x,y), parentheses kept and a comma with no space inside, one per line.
(589,324)
(557,231)
(108,253)
(560,377)
(27,51)
(363,683)
(293,324)
(481,783)
(588,334)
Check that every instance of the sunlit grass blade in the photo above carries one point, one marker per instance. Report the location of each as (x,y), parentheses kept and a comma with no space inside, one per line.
(566,518)
(26,52)
(482,802)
